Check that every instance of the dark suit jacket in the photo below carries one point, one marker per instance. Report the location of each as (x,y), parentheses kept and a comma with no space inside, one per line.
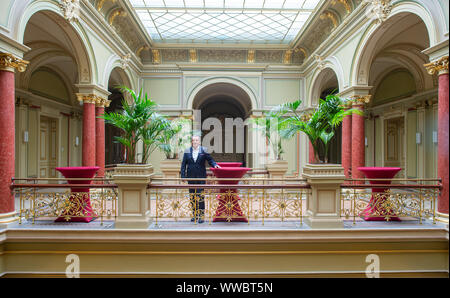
(196,169)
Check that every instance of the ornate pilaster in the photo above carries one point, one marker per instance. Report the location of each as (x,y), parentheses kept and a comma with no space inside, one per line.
(358,135)
(8,65)
(440,67)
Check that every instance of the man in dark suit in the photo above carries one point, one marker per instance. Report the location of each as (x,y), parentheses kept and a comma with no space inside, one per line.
(193,166)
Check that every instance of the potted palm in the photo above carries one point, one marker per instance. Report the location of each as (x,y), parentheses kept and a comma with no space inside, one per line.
(323,204)
(173,139)
(140,123)
(270,124)
(319,126)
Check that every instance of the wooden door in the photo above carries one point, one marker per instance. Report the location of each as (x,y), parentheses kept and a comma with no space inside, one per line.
(47,147)
(394,136)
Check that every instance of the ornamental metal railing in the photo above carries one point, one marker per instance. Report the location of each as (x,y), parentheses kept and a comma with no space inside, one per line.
(65,202)
(253,200)
(396,199)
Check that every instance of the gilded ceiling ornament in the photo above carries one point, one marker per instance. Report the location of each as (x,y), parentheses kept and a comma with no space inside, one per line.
(145,47)
(9,62)
(287,57)
(156,56)
(378,10)
(303,51)
(345,3)
(116,13)
(100,3)
(439,66)
(71,9)
(331,16)
(193,55)
(251,56)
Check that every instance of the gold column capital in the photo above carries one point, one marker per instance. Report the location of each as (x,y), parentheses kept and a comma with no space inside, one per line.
(439,66)
(90,98)
(102,102)
(360,99)
(9,62)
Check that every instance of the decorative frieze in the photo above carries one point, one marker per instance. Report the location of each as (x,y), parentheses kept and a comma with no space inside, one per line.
(9,62)
(226,56)
(269,56)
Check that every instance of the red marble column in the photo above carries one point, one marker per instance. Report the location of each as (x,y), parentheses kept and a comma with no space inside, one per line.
(441,68)
(8,65)
(7,133)
(312,158)
(358,154)
(100,139)
(347,145)
(88,149)
(443,136)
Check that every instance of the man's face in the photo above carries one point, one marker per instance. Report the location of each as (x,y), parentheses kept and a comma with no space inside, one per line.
(195,142)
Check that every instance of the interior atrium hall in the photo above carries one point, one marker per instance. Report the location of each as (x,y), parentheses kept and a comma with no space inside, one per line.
(219,65)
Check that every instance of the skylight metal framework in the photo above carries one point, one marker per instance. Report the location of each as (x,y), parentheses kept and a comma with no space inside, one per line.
(224,21)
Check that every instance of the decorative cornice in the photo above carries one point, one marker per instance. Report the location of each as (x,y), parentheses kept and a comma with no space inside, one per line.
(9,62)
(439,66)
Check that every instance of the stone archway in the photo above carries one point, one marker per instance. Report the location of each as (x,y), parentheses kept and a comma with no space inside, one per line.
(220,111)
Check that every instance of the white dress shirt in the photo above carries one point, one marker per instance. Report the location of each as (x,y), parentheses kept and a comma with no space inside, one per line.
(195,153)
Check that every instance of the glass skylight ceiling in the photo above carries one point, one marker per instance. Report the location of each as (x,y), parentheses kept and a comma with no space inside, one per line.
(224,21)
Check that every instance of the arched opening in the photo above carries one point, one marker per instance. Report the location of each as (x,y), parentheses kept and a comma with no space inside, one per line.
(222,109)
(400,83)
(114,151)
(49,113)
(325,84)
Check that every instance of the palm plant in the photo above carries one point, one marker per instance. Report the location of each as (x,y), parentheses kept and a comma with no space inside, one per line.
(271,124)
(320,126)
(138,121)
(174,137)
